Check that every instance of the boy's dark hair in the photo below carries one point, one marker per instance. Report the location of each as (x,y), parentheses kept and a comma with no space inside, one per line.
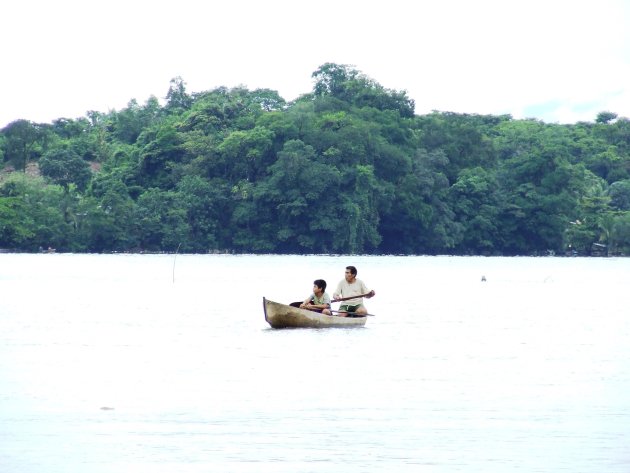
(352,270)
(320,283)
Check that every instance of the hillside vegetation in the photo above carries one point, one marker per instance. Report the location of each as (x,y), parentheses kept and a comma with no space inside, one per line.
(347,168)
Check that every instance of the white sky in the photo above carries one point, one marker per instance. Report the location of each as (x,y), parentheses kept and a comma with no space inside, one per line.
(555,60)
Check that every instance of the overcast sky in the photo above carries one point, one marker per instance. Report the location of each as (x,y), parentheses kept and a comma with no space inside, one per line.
(555,60)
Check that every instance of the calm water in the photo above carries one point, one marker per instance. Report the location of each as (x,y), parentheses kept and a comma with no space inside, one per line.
(119,363)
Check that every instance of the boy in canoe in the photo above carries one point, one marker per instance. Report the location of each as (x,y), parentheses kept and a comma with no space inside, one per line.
(352,290)
(319,301)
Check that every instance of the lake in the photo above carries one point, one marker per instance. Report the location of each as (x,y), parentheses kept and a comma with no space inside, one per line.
(163,363)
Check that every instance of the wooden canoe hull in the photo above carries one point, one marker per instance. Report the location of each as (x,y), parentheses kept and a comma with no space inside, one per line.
(284,316)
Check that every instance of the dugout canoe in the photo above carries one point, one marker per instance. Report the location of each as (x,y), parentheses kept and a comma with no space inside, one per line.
(284,316)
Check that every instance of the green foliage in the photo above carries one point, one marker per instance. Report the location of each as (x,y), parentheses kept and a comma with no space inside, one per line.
(466,140)
(33,215)
(246,153)
(298,193)
(23,141)
(348,85)
(208,206)
(347,168)
(177,99)
(475,201)
(620,233)
(605,117)
(539,187)
(13,230)
(127,125)
(161,154)
(619,193)
(419,220)
(65,167)
(160,221)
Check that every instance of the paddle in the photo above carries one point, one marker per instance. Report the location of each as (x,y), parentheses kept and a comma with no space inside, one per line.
(350,314)
(353,314)
(352,297)
(297,304)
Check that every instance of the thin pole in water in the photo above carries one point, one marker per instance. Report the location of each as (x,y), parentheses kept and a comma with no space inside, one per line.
(174,259)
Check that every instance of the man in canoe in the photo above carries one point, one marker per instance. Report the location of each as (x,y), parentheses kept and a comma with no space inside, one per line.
(319,301)
(352,291)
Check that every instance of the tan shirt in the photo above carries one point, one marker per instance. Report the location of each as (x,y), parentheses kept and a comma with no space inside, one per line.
(345,289)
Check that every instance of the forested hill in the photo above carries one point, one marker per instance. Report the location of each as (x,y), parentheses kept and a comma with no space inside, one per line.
(347,168)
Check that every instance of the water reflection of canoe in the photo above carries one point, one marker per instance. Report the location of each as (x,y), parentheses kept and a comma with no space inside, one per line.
(283,316)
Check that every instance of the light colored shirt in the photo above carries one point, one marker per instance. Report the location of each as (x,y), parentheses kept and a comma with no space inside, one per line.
(345,289)
(325,299)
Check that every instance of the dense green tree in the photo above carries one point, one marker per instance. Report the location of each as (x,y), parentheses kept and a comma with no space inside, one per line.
(592,221)
(619,193)
(22,143)
(208,206)
(251,223)
(177,98)
(332,79)
(419,220)
(127,124)
(107,217)
(614,164)
(65,167)
(246,153)
(3,146)
(268,100)
(343,82)
(605,117)
(161,156)
(539,186)
(160,221)
(298,199)
(38,209)
(86,139)
(466,140)
(621,233)
(475,202)
(14,229)
(346,168)
(359,211)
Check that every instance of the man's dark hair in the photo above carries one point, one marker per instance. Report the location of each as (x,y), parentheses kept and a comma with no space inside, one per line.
(352,270)
(320,283)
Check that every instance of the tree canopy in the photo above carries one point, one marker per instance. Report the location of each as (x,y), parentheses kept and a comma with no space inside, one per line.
(346,168)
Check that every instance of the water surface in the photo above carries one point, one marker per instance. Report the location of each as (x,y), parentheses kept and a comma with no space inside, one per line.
(155,363)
